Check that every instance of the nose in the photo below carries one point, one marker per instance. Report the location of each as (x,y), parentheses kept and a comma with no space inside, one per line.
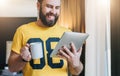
(53,10)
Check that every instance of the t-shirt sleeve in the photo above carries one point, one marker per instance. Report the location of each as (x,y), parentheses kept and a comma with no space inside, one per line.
(17,41)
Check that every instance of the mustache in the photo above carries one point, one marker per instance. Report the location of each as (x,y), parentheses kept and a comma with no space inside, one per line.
(51,14)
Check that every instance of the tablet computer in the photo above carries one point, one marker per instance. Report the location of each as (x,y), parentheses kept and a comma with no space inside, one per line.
(77,38)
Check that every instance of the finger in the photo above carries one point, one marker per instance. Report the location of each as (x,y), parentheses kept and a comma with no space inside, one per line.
(24,51)
(61,56)
(61,48)
(28,58)
(73,48)
(80,50)
(59,53)
(67,51)
(24,48)
(64,54)
(27,45)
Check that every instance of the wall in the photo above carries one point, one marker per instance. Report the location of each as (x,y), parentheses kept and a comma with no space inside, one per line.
(18,8)
(8,26)
(13,14)
(115,37)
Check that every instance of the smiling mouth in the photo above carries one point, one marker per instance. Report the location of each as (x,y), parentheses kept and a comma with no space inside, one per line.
(50,17)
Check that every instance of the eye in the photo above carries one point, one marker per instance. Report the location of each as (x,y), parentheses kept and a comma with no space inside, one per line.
(49,6)
(57,7)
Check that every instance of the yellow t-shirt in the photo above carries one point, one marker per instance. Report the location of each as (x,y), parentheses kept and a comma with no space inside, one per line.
(49,36)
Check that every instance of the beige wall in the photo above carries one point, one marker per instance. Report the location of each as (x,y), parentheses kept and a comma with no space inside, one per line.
(18,8)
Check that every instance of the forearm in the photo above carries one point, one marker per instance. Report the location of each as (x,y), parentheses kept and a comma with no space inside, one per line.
(15,63)
(75,71)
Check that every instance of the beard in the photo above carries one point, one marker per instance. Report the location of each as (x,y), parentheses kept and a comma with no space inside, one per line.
(46,22)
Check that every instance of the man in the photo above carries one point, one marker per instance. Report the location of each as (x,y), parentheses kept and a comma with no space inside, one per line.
(46,31)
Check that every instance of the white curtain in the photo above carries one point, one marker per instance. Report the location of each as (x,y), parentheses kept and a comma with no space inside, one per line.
(97,18)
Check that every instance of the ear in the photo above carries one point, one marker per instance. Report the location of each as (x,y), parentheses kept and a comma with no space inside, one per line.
(38,5)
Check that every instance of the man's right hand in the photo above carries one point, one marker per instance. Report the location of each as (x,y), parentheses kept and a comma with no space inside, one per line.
(25,53)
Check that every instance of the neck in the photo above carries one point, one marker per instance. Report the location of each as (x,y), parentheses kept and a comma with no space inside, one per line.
(40,24)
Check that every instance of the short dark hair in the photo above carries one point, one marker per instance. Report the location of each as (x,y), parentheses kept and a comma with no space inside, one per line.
(40,1)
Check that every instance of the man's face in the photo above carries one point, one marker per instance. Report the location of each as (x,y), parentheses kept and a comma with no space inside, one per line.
(49,12)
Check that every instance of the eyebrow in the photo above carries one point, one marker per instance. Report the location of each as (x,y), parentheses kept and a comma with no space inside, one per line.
(52,5)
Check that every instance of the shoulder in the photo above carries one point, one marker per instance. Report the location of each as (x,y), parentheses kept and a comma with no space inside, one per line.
(62,28)
(25,26)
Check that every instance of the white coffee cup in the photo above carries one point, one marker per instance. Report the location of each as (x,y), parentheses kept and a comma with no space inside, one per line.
(36,50)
